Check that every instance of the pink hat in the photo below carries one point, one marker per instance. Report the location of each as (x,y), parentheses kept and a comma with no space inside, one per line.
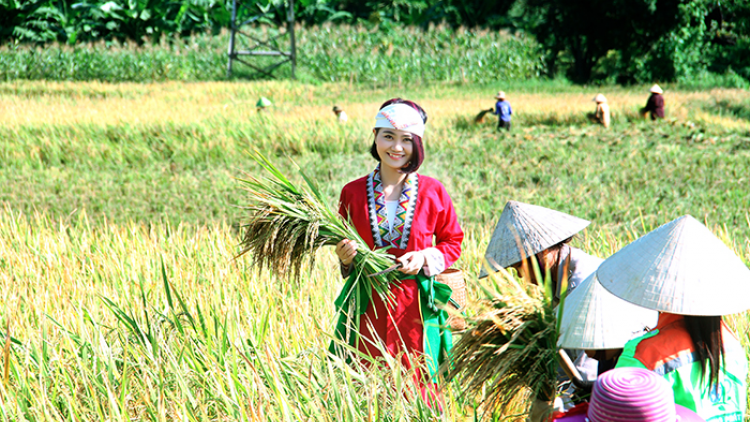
(633,395)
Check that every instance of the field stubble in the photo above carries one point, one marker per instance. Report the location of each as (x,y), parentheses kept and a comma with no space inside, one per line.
(119,227)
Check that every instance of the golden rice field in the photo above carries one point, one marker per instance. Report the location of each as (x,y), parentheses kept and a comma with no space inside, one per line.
(118,229)
(98,103)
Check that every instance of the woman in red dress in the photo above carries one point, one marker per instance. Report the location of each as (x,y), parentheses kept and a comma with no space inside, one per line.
(413,216)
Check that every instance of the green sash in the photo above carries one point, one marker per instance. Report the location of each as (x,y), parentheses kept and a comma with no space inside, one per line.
(355,298)
(437,336)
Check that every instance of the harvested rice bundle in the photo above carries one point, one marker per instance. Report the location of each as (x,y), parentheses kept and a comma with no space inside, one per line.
(510,348)
(289,223)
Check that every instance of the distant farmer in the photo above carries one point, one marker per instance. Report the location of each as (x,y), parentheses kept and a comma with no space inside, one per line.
(340,114)
(503,111)
(262,104)
(601,115)
(655,103)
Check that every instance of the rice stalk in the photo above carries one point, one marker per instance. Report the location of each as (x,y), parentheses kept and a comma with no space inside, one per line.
(288,224)
(511,347)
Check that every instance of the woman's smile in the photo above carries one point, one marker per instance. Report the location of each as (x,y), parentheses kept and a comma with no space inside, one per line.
(395,147)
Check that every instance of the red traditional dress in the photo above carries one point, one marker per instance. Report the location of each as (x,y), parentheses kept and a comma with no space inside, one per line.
(425,214)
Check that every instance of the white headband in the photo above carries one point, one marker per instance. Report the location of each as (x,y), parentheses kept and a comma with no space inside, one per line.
(402,117)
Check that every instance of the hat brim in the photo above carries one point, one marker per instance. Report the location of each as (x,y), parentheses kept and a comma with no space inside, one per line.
(685,414)
(574,418)
(666,270)
(525,230)
(593,318)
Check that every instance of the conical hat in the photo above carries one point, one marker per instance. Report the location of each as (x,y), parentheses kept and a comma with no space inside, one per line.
(595,319)
(263,102)
(530,227)
(656,89)
(600,98)
(680,268)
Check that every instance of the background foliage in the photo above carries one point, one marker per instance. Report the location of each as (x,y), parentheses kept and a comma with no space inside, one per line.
(605,42)
(330,53)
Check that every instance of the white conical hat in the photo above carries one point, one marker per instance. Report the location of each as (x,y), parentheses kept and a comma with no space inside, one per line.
(595,319)
(656,89)
(600,98)
(530,227)
(680,268)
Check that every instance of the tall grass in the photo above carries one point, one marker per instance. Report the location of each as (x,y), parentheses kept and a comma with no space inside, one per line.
(128,322)
(131,322)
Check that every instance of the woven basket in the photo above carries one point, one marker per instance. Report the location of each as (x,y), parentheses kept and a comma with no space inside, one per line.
(455,279)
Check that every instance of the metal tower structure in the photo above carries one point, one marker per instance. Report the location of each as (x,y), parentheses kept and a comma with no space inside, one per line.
(256,46)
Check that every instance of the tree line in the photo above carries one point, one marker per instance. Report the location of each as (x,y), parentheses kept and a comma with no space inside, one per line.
(620,41)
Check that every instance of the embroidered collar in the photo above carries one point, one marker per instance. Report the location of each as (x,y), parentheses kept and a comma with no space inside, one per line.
(382,234)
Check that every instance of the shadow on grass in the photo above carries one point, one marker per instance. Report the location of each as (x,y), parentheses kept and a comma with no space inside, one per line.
(740,147)
(474,123)
(724,107)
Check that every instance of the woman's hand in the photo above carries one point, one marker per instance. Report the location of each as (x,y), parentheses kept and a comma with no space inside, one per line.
(346,250)
(411,262)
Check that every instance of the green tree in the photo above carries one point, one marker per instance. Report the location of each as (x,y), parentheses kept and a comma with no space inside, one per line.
(32,20)
(729,31)
(650,39)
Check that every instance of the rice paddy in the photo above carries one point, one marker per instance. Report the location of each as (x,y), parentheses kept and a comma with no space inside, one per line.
(120,214)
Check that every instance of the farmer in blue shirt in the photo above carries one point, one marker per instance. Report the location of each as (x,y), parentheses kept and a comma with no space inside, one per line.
(503,111)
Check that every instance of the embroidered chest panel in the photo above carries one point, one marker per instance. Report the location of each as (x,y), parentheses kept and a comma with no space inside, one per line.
(382,233)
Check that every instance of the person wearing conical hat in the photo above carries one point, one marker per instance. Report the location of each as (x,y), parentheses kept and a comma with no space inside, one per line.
(601,115)
(593,320)
(503,111)
(262,104)
(529,233)
(655,103)
(525,231)
(599,323)
(340,114)
(691,278)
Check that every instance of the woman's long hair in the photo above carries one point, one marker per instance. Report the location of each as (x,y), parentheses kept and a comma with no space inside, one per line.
(705,331)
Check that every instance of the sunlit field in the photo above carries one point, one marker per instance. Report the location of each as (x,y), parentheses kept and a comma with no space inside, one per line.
(120,223)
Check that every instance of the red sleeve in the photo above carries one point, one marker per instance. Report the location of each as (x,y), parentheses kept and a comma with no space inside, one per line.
(448,233)
(344,205)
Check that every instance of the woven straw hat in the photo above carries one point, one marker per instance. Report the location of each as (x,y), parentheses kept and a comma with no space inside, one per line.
(656,89)
(500,95)
(600,98)
(680,268)
(595,319)
(633,395)
(531,228)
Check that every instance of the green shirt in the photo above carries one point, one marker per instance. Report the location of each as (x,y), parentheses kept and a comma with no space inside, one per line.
(669,351)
